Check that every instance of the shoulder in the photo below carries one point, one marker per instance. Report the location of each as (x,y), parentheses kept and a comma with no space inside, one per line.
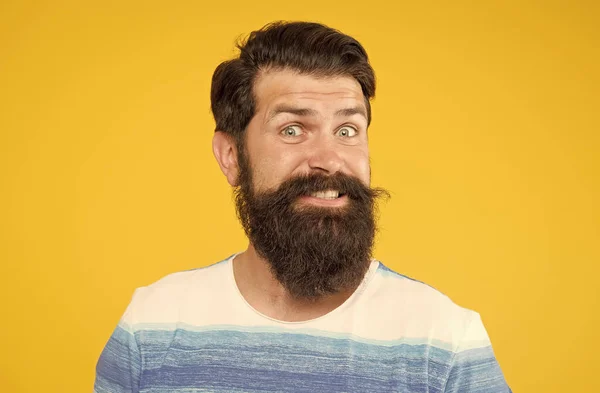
(405,307)
(409,291)
(162,301)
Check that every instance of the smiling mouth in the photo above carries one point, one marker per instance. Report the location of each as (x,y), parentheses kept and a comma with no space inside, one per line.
(327,198)
(327,194)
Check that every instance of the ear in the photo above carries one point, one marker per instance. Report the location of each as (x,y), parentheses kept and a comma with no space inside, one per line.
(225,152)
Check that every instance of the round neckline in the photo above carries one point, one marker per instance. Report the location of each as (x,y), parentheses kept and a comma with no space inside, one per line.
(357,292)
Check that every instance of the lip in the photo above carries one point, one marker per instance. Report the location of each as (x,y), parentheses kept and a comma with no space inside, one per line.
(337,202)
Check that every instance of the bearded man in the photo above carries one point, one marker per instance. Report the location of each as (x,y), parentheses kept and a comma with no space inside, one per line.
(305,308)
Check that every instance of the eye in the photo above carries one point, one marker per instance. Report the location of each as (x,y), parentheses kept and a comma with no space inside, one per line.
(292,130)
(347,132)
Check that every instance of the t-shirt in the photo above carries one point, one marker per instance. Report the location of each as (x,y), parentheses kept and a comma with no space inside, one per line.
(193,331)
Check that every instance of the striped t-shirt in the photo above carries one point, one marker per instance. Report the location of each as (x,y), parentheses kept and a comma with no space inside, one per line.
(194,332)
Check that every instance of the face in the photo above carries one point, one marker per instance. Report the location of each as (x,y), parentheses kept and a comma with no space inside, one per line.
(305,125)
(302,180)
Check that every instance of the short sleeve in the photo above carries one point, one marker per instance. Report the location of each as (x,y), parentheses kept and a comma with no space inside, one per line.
(474,367)
(119,367)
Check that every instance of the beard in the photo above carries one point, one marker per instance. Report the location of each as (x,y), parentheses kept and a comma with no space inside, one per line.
(313,251)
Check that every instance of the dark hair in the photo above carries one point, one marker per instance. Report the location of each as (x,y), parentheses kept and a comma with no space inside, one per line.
(309,48)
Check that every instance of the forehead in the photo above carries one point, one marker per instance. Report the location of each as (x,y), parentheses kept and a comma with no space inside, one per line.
(287,86)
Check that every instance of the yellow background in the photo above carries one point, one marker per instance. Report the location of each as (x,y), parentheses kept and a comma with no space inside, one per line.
(485,130)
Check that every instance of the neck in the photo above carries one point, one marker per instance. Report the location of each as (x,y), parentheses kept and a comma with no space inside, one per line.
(265,294)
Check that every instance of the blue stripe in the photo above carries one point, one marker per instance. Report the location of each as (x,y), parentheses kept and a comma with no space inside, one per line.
(119,367)
(230,361)
(167,327)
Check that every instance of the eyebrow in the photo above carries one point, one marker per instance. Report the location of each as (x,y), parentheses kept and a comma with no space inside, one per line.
(347,112)
(304,112)
(291,109)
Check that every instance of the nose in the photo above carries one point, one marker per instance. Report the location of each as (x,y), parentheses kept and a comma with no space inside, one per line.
(326,159)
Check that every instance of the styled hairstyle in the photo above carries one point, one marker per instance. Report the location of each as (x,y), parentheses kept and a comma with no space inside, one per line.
(305,47)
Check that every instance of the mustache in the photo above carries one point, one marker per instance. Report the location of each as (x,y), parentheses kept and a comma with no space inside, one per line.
(347,185)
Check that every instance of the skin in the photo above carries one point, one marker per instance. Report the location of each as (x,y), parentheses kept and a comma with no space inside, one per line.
(302,124)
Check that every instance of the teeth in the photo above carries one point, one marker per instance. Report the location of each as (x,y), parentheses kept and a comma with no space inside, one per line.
(329,194)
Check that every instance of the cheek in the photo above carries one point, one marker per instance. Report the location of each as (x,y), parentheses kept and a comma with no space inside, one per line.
(272,167)
(360,166)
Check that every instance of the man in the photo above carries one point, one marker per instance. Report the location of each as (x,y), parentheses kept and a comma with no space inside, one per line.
(305,308)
